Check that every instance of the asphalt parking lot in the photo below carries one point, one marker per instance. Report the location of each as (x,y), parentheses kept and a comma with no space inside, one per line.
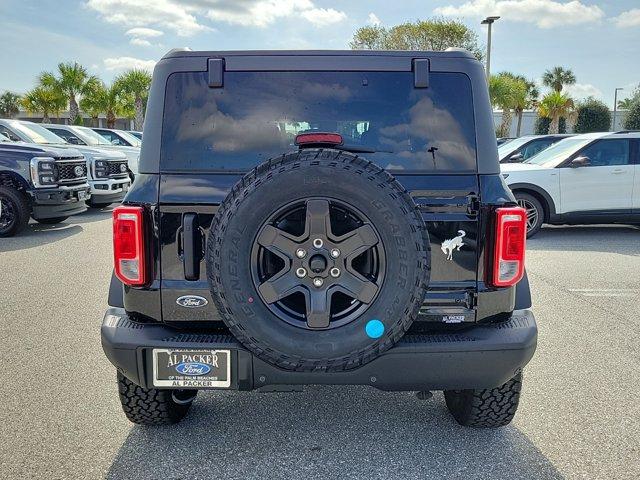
(579,416)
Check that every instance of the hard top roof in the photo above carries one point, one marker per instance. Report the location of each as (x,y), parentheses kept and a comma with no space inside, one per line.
(449,53)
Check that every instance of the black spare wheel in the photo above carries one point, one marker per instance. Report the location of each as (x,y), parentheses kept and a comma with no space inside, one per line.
(318,260)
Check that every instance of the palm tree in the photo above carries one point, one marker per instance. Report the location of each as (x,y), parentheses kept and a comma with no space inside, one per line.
(557,78)
(507,92)
(523,98)
(93,102)
(44,100)
(108,100)
(625,104)
(554,106)
(9,104)
(136,83)
(72,81)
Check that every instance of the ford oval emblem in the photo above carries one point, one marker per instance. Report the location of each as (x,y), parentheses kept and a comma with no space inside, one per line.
(193,368)
(191,301)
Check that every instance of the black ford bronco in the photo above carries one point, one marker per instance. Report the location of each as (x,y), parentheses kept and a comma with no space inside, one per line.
(319,217)
(45,183)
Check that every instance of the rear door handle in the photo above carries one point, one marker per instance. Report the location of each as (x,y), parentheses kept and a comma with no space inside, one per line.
(191,248)
(617,171)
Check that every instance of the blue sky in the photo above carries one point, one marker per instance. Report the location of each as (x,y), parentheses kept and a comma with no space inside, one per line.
(598,40)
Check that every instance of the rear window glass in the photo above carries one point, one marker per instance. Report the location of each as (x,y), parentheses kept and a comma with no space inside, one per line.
(257,115)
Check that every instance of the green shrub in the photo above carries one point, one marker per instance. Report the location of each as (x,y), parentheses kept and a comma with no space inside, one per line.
(593,116)
(632,120)
(541,126)
(562,125)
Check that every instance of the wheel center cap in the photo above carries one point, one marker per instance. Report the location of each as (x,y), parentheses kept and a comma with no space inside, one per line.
(318,263)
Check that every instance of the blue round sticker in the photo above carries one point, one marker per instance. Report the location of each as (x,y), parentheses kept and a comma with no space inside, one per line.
(374,328)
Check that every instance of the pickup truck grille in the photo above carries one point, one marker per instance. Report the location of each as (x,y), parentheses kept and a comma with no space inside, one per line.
(117,168)
(72,171)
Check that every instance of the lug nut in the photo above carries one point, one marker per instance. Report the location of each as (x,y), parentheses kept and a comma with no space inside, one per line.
(334,272)
(301,272)
(317,243)
(335,253)
(301,253)
(318,282)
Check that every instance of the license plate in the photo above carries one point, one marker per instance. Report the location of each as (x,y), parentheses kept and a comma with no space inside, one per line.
(82,195)
(191,368)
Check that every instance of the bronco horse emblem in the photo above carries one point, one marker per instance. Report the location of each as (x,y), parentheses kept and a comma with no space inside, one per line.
(455,243)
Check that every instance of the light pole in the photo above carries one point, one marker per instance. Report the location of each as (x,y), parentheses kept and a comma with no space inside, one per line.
(488,22)
(615,107)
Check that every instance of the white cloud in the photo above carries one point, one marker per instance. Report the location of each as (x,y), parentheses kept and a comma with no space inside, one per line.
(582,90)
(255,13)
(142,32)
(169,14)
(628,19)
(322,17)
(184,16)
(140,35)
(373,19)
(141,42)
(543,13)
(126,63)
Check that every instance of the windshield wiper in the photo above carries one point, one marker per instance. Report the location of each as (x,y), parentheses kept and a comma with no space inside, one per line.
(359,149)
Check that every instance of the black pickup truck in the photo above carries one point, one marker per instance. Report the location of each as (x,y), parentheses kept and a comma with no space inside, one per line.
(45,183)
(319,217)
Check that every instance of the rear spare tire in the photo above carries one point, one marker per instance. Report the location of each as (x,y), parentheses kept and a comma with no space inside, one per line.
(318,260)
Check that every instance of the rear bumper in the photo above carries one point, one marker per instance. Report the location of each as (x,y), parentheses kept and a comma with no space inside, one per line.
(59,202)
(479,357)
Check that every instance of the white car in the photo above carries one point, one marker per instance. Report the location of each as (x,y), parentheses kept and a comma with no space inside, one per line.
(77,135)
(119,137)
(523,148)
(589,178)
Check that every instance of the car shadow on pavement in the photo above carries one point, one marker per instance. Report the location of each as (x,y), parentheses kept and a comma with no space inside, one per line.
(37,235)
(93,215)
(325,432)
(622,239)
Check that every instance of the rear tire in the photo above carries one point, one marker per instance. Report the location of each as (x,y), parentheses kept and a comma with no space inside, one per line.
(14,211)
(150,406)
(51,221)
(535,212)
(488,408)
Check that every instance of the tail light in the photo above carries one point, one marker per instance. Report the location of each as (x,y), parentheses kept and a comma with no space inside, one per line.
(129,245)
(510,240)
(318,139)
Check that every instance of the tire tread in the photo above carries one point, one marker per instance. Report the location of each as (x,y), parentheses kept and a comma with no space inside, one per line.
(485,408)
(149,406)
